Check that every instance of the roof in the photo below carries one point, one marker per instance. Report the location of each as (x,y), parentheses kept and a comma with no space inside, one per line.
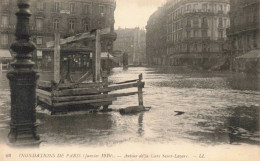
(253,54)
(4,53)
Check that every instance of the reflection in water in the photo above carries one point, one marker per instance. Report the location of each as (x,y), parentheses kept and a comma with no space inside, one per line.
(86,128)
(140,124)
(244,124)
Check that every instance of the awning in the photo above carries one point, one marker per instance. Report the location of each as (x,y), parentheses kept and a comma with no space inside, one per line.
(4,53)
(104,55)
(254,54)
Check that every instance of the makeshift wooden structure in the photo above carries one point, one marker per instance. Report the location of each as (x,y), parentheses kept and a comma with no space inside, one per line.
(61,96)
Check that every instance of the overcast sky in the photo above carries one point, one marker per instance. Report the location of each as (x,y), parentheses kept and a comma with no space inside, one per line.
(134,13)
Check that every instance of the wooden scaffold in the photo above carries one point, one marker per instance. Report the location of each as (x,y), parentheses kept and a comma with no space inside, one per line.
(60,96)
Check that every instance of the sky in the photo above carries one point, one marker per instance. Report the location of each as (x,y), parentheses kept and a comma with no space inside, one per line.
(134,13)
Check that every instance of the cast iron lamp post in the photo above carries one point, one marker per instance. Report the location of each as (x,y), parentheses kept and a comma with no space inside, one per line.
(23,83)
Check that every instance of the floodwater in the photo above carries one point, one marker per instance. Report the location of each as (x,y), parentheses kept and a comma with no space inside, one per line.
(219,108)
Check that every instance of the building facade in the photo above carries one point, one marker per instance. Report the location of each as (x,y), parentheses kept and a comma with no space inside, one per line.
(243,33)
(195,31)
(67,17)
(156,37)
(133,42)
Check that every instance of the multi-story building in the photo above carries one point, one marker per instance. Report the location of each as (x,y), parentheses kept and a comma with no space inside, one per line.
(196,31)
(67,17)
(156,34)
(131,41)
(243,33)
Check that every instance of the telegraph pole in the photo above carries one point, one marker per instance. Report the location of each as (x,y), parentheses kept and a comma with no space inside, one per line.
(23,80)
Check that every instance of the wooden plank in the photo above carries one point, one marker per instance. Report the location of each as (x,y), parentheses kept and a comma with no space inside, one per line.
(84,91)
(123,86)
(89,97)
(96,58)
(57,58)
(140,92)
(45,99)
(80,85)
(86,35)
(40,91)
(82,102)
(128,81)
(47,84)
(85,76)
(101,103)
(44,84)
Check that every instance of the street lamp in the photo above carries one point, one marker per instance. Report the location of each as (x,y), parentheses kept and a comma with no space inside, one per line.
(23,83)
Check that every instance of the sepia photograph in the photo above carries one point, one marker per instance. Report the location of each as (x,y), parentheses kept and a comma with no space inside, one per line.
(129,80)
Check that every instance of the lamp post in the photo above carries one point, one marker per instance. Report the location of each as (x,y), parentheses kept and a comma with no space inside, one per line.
(23,80)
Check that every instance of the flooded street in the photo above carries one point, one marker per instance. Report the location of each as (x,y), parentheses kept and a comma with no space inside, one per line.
(219,108)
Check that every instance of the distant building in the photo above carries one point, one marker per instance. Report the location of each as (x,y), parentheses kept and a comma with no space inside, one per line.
(68,17)
(243,34)
(196,31)
(131,41)
(156,36)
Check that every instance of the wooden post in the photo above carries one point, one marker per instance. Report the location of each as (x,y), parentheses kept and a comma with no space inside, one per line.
(140,92)
(105,81)
(23,80)
(96,58)
(57,58)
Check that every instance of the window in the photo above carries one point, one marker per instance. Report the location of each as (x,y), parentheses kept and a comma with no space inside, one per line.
(85,25)
(205,7)
(220,34)
(5,2)
(56,6)
(204,47)
(87,9)
(220,22)
(221,8)
(39,40)
(204,22)
(110,9)
(101,9)
(188,34)
(188,7)
(195,7)
(195,21)
(72,7)
(225,22)
(225,8)
(39,24)
(40,5)
(71,25)
(204,33)
(188,23)
(5,21)
(56,24)
(4,39)
(195,33)
(195,47)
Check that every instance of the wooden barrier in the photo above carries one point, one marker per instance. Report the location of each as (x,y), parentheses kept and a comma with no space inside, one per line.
(140,107)
(89,94)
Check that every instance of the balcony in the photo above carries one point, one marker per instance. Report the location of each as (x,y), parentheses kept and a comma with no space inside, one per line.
(7,27)
(249,3)
(243,28)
